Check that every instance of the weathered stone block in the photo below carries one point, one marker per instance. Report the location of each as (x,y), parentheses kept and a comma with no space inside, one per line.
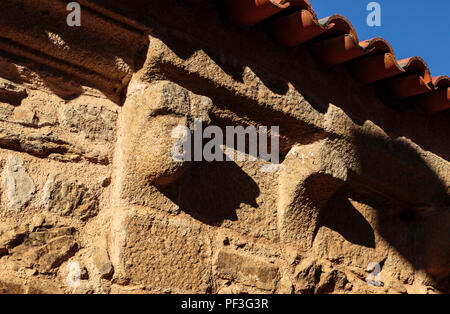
(46,249)
(313,277)
(11,91)
(102,263)
(69,198)
(56,251)
(166,254)
(44,144)
(27,116)
(11,237)
(247,269)
(20,187)
(6,110)
(93,121)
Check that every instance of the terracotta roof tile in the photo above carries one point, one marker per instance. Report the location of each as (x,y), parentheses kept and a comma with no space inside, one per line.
(334,41)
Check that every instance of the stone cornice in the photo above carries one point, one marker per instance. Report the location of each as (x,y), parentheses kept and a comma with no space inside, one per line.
(104,51)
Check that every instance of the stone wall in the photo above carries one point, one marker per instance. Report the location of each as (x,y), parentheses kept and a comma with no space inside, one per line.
(91,200)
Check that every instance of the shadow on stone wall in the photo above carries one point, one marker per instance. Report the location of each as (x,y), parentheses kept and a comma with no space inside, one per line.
(411,199)
(211,192)
(341,216)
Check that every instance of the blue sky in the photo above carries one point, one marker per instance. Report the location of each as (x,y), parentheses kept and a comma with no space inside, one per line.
(412,27)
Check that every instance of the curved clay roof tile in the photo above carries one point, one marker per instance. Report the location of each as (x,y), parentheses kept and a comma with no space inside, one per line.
(333,41)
